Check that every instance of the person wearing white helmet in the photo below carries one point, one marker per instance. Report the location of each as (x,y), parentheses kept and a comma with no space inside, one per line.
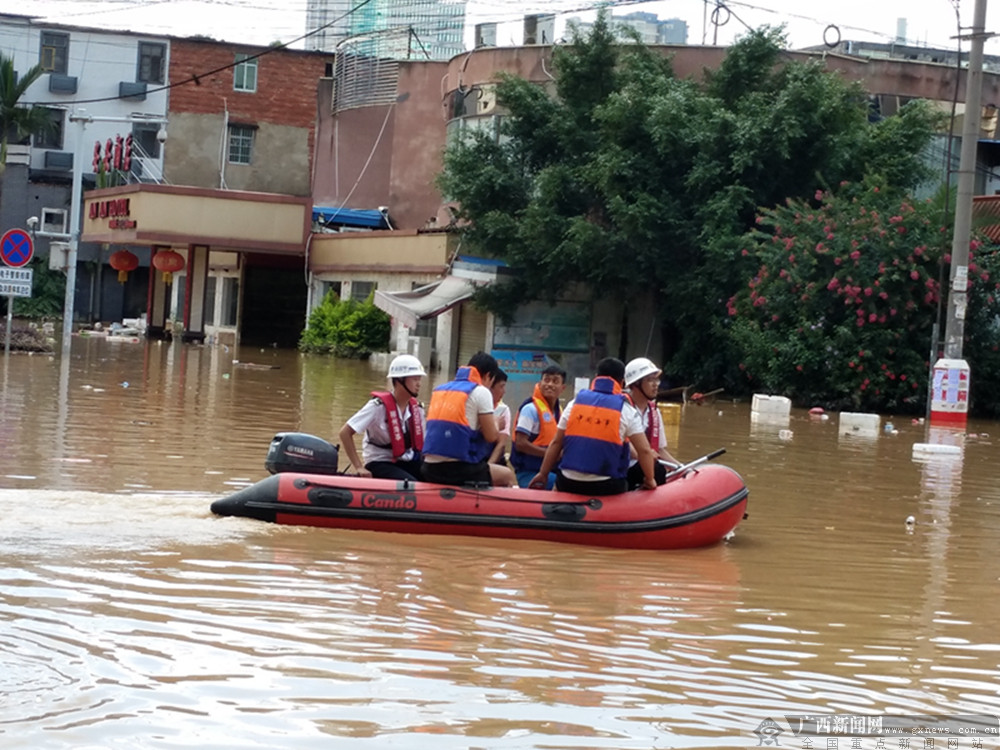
(642,378)
(393,426)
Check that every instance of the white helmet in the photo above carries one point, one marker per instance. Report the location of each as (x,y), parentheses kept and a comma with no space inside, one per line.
(639,368)
(405,366)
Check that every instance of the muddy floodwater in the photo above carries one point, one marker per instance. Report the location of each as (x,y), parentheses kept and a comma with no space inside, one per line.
(130,617)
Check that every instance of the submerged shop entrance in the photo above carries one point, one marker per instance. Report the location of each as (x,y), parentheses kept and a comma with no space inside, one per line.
(274,301)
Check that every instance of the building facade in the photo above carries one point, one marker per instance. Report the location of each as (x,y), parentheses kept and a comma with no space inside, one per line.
(100,88)
(242,118)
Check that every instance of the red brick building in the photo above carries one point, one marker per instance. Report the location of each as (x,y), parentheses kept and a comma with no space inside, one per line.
(246,116)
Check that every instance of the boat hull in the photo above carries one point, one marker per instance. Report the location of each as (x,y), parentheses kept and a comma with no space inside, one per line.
(696,509)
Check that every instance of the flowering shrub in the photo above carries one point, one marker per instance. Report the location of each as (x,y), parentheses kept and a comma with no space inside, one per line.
(346,328)
(841,308)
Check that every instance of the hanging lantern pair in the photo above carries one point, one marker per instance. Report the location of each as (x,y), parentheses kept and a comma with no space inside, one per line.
(123,261)
(168,262)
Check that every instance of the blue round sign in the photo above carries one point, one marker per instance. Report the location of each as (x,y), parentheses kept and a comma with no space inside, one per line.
(16,247)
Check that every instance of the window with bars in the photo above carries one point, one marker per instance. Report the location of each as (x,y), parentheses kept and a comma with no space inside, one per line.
(361,289)
(152,59)
(245,73)
(240,144)
(52,136)
(55,52)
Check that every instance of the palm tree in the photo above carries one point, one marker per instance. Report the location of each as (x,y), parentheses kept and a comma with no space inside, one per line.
(18,121)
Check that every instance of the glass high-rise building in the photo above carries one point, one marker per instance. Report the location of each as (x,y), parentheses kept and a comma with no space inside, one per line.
(394,29)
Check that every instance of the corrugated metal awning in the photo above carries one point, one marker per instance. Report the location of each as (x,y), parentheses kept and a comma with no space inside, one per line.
(425,302)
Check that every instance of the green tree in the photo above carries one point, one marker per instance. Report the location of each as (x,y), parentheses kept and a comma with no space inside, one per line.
(16,120)
(840,307)
(630,180)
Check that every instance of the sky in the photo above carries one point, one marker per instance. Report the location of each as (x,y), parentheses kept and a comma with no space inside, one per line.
(929,22)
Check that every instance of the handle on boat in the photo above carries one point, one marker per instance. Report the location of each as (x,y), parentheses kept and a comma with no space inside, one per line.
(697,462)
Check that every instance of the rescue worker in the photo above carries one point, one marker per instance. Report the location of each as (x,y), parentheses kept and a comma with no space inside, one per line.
(537,420)
(501,413)
(642,378)
(591,446)
(462,429)
(393,426)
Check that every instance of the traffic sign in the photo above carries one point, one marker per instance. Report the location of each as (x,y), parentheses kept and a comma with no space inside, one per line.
(16,282)
(16,247)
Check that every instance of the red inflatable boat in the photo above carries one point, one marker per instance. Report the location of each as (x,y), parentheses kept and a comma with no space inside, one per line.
(699,505)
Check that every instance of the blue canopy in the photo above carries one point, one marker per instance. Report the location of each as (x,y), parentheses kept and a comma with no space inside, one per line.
(370,218)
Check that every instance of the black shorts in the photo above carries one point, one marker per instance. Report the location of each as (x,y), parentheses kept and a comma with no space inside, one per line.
(394,469)
(600,487)
(456,473)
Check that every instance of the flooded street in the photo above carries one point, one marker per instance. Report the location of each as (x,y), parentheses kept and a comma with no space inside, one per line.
(132,617)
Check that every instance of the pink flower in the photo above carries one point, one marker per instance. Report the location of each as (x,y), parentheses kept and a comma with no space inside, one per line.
(745,252)
(872,318)
(798,367)
(834,283)
(914,275)
(855,255)
(819,195)
(837,261)
(901,230)
(868,291)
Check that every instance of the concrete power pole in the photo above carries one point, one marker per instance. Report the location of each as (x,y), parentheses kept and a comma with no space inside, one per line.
(951,377)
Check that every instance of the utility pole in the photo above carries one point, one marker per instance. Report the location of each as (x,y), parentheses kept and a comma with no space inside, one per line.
(951,377)
(81,118)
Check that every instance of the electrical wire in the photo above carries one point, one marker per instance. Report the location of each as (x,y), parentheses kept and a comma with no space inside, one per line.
(195,78)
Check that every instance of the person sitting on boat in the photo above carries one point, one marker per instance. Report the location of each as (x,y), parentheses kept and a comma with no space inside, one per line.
(642,378)
(591,446)
(462,430)
(393,426)
(501,413)
(537,420)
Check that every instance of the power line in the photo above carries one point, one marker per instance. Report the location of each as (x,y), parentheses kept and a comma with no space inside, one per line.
(195,78)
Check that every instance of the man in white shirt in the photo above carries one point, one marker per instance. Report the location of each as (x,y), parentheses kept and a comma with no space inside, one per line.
(642,378)
(393,426)
(591,445)
(462,430)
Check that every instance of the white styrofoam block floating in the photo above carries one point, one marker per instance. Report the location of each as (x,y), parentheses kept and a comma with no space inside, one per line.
(937,449)
(766,406)
(859,423)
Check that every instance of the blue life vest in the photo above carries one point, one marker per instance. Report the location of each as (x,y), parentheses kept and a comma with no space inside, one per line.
(448,431)
(593,443)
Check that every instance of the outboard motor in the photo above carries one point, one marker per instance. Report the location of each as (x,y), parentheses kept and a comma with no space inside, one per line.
(301,452)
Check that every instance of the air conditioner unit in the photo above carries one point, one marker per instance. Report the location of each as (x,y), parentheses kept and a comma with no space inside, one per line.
(58,253)
(54,220)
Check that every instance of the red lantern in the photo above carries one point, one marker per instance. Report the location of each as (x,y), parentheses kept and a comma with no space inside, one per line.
(169,262)
(123,261)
